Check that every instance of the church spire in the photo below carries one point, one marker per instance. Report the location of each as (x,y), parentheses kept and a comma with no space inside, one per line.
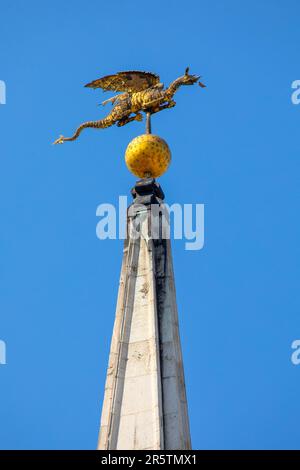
(145,403)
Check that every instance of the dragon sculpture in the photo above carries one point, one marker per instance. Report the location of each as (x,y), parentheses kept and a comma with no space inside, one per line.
(141,91)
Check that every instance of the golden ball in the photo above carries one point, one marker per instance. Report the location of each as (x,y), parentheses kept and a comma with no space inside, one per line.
(148,156)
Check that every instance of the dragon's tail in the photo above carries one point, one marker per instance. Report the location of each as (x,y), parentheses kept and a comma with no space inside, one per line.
(101,124)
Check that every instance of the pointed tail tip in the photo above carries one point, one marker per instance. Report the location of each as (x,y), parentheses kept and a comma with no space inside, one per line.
(60,140)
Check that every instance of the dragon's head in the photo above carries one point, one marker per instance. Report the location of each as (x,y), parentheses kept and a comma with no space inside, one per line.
(188,79)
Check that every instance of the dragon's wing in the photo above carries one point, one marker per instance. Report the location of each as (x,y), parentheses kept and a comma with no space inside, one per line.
(130,82)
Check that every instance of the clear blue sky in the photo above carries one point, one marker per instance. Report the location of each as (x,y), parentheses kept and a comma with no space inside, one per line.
(235,148)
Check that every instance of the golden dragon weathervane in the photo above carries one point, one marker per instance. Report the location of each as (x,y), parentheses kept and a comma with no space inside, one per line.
(141,91)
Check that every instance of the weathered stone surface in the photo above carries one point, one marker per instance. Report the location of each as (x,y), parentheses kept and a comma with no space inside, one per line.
(145,401)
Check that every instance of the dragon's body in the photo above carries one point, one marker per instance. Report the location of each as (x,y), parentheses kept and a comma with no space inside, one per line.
(142,91)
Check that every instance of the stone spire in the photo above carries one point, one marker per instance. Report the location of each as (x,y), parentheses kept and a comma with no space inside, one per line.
(145,403)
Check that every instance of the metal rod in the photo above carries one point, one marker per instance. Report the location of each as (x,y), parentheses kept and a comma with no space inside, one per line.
(148,123)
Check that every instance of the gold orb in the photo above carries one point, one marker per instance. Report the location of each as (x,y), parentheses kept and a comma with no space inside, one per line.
(148,156)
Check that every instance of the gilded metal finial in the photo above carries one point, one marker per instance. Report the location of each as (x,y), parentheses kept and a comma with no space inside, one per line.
(140,92)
